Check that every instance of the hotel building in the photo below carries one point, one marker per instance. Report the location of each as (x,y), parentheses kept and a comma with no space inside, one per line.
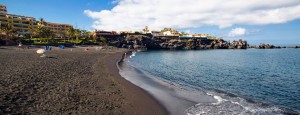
(24,23)
(3,9)
(58,29)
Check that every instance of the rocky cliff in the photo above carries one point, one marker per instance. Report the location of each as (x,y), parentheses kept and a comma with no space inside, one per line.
(139,41)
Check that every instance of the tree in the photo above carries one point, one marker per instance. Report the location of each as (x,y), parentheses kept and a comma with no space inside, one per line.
(8,30)
(146,30)
(77,34)
(47,33)
(93,35)
(70,33)
(84,34)
(32,32)
(166,29)
(40,29)
(0,31)
(211,37)
(103,40)
(65,34)
(42,21)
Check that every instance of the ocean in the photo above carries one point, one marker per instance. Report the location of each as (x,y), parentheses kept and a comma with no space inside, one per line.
(252,81)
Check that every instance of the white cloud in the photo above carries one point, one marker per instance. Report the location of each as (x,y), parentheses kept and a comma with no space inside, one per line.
(115,1)
(180,14)
(236,32)
(188,31)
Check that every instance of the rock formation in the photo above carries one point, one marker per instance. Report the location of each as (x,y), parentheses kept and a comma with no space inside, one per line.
(150,42)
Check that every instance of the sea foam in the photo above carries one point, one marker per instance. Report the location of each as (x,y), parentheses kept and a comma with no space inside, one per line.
(227,105)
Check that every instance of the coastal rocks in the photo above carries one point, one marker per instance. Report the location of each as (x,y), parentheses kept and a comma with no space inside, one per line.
(164,45)
(293,46)
(148,42)
(270,46)
(265,46)
(240,44)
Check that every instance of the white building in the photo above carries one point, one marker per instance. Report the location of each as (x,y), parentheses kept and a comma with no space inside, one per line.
(167,33)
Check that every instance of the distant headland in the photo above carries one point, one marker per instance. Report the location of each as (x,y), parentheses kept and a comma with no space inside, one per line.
(16,29)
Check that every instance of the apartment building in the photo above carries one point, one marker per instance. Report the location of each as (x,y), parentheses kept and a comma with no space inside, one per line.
(3,9)
(24,23)
(58,29)
(21,23)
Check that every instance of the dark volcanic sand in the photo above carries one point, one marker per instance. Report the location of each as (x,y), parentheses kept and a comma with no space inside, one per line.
(69,82)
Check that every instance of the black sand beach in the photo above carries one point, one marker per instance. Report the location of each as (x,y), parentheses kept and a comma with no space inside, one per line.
(69,82)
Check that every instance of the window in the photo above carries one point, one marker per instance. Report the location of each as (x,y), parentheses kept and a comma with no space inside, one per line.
(25,22)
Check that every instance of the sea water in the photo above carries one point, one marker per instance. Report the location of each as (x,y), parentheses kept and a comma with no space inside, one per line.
(252,81)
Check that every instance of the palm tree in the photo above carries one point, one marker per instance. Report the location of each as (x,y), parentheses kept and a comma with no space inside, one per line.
(32,32)
(70,33)
(40,31)
(93,35)
(42,21)
(64,35)
(77,34)
(41,26)
(0,31)
(87,35)
(48,33)
(146,30)
(84,33)
(8,30)
(166,29)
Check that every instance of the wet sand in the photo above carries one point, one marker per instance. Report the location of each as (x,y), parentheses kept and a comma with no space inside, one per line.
(69,82)
(174,98)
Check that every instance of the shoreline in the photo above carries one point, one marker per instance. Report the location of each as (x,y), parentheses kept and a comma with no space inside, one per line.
(147,105)
(175,100)
(152,84)
(69,81)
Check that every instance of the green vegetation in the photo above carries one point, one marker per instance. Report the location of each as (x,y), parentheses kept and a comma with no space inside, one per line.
(8,30)
(103,40)
(42,35)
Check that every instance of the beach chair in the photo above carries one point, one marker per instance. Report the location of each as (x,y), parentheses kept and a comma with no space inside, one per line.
(48,48)
(62,46)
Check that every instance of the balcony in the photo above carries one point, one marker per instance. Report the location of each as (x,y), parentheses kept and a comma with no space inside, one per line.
(3,20)
(3,16)
(26,23)
(17,22)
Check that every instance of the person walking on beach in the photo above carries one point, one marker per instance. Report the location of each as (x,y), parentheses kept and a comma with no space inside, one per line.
(20,45)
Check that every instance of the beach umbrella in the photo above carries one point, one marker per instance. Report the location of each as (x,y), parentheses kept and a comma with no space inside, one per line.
(40,51)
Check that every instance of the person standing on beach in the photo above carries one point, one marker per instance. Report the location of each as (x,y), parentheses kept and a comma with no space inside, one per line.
(20,45)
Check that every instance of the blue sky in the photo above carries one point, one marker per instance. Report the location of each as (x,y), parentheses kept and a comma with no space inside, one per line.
(60,11)
(255,21)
